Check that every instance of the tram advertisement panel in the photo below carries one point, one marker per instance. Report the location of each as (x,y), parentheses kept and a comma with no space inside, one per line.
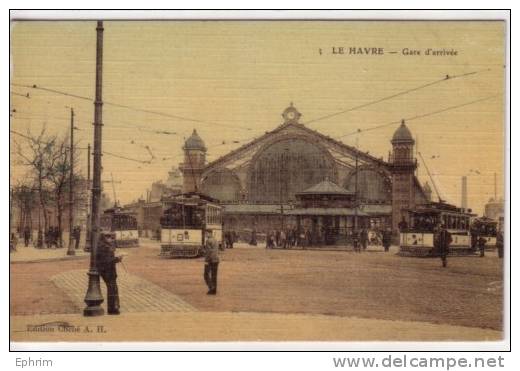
(181,236)
(460,240)
(126,235)
(418,239)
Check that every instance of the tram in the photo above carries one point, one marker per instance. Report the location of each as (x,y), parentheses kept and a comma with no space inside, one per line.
(486,228)
(123,224)
(418,238)
(184,224)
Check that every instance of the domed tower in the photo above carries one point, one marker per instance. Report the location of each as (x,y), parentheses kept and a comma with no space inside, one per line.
(403,166)
(194,162)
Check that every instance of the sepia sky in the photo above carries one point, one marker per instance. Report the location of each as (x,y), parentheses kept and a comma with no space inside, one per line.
(232,80)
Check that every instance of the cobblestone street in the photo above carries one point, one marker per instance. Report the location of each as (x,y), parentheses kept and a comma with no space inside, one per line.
(139,295)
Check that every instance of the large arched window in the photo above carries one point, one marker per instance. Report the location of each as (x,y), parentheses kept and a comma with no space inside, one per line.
(222,184)
(286,167)
(373,185)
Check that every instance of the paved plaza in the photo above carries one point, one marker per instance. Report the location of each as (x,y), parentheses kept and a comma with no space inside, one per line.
(269,294)
(139,294)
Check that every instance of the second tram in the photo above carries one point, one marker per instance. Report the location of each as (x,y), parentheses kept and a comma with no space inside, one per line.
(185,222)
(486,228)
(123,224)
(417,239)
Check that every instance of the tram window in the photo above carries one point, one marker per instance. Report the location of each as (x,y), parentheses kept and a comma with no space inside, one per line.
(183,216)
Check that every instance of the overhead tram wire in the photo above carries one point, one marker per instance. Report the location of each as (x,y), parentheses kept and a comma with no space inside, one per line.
(19,94)
(104,152)
(109,125)
(423,86)
(416,117)
(177,117)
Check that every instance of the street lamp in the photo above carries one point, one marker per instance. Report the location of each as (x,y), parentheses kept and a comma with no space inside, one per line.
(93,297)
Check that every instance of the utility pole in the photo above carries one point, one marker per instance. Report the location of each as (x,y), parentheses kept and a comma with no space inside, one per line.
(70,250)
(356,203)
(93,297)
(87,235)
(113,186)
(495,174)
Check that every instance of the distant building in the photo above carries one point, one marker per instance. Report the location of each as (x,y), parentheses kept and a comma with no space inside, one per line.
(494,209)
(148,211)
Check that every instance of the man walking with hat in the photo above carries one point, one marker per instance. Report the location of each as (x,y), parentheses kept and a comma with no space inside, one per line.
(211,262)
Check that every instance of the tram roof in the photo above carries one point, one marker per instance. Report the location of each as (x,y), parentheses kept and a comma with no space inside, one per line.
(486,220)
(119,210)
(192,197)
(431,210)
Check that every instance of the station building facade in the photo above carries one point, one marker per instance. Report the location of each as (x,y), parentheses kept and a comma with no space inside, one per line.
(261,183)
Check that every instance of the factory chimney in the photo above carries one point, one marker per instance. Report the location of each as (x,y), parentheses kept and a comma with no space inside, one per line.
(464,195)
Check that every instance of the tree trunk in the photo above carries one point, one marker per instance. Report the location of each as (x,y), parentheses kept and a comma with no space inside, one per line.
(42,204)
(59,210)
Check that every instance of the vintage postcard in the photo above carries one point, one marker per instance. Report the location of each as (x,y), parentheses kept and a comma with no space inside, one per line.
(257,180)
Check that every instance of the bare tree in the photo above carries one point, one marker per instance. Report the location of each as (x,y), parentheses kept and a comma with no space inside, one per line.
(58,167)
(38,156)
(24,196)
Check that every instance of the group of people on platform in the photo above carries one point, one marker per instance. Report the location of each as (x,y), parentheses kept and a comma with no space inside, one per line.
(49,239)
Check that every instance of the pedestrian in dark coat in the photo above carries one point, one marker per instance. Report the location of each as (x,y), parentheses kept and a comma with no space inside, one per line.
(364,238)
(443,240)
(48,237)
(26,236)
(403,225)
(77,236)
(106,265)
(387,239)
(481,242)
(211,262)
(500,244)
(253,241)
(355,241)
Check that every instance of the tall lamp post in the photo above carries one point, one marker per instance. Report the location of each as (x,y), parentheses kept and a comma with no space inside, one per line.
(88,234)
(93,297)
(70,250)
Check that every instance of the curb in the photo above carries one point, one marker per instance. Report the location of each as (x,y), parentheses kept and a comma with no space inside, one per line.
(49,260)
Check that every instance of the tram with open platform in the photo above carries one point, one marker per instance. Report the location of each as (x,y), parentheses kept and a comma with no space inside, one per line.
(486,228)
(418,238)
(123,224)
(185,222)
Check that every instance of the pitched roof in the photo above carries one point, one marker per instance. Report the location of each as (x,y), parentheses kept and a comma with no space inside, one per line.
(326,187)
(342,211)
(361,154)
(254,208)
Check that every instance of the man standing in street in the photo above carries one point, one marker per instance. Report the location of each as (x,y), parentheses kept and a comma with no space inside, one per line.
(443,242)
(403,225)
(211,262)
(387,239)
(26,235)
(481,242)
(106,262)
(500,244)
(355,241)
(77,236)
(364,238)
